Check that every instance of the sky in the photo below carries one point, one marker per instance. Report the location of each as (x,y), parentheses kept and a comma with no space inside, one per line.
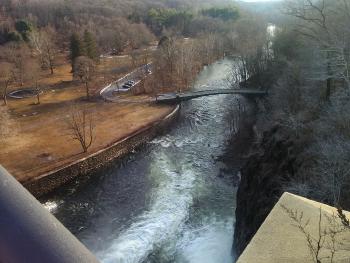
(260,0)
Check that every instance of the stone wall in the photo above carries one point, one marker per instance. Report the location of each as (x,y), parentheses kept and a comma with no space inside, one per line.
(54,179)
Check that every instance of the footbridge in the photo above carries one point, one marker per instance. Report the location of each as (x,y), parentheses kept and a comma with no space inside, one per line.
(169,98)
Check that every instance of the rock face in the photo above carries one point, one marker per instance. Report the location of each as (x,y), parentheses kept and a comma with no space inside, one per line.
(272,163)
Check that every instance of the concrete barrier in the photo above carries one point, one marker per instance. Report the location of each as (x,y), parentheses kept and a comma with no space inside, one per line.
(279,239)
(29,233)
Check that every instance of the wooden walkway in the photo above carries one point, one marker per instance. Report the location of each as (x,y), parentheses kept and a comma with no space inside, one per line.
(169,98)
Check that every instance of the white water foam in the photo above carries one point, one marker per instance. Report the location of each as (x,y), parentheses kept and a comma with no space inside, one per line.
(210,243)
(52,205)
(168,212)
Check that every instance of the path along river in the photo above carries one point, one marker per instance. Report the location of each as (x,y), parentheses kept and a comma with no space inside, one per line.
(169,201)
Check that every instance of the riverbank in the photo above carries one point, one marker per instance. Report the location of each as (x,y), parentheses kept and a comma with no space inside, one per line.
(87,163)
(36,150)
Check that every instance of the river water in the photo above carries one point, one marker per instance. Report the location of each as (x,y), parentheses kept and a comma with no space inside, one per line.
(170,201)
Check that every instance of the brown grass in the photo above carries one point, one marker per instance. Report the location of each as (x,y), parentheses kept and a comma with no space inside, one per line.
(40,142)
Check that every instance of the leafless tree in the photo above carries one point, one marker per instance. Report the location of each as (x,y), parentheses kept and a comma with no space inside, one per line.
(208,44)
(331,150)
(35,72)
(152,84)
(187,64)
(20,56)
(135,57)
(326,177)
(165,59)
(81,127)
(43,41)
(138,35)
(84,69)
(251,57)
(6,78)
(323,245)
(326,23)
(238,72)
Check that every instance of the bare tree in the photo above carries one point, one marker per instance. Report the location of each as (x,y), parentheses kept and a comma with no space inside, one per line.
(84,69)
(166,56)
(135,57)
(326,23)
(119,43)
(252,57)
(177,61)
(34,72)
(237,74)
(19,55)
(81,127)
(152,85)
(323,245)
(208,43)
(138,35)
(43,41)
(6,77)
(188,63)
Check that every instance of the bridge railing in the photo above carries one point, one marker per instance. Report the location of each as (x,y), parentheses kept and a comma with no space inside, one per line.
(177,97)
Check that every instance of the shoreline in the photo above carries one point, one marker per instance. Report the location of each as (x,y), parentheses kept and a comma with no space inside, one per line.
(49,181)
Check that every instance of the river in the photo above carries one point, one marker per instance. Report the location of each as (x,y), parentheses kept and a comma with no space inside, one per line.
(169,201)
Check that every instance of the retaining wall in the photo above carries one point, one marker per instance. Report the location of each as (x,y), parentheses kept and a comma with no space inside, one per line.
(47,182)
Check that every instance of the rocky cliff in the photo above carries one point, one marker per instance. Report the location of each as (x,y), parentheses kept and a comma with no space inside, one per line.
(272,162)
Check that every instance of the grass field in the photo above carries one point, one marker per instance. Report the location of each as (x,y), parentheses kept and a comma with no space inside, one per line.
(40,140)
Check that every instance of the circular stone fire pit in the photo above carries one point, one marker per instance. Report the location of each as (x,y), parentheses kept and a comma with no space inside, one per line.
(23,93)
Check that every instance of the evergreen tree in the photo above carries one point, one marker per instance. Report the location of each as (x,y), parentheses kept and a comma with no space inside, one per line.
(77,48)
(90,46)
(23,28)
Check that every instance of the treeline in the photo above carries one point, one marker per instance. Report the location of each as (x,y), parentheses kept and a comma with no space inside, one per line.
(308,80)
(118,24)
(83,46)
(178,61)
(186,22)
(35,34)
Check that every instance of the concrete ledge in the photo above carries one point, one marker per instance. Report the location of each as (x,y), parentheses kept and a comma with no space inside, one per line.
(29,233)
(47,182)
(279,240)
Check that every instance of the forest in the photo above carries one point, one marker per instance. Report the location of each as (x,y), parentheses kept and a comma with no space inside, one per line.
(298,51)
(302,129)
(310,98)
(306,67)
(39,32)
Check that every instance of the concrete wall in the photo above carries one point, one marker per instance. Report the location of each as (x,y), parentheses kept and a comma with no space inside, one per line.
(279,240)
(29,233)
(49,181)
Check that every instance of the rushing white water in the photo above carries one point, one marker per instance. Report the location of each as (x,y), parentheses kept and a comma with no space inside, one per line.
(210,243)
(52,206)
(171,202)
(168,202)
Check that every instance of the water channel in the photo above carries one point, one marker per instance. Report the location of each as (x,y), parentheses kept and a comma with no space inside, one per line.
(169,201)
